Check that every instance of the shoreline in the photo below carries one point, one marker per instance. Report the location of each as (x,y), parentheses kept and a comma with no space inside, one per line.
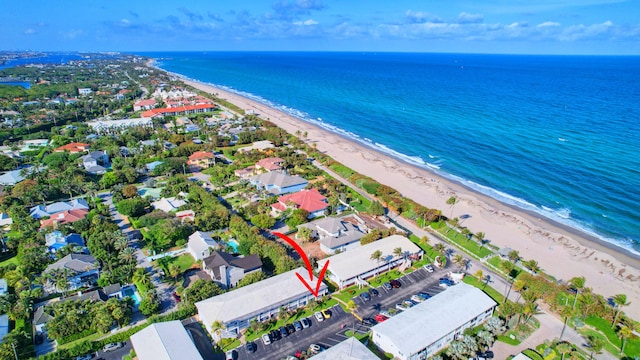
(561,250)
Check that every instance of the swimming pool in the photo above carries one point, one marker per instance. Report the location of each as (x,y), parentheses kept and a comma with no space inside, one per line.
(234,245)
(131,292)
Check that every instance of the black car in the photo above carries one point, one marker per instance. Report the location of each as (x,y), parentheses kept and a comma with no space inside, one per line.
(395,283)
(369,321)
(290,328)
(486,354)
(365,296)
(251,347)
(374,292)
(283,331)
(275,335)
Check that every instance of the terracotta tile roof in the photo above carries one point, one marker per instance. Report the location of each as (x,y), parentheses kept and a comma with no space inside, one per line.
(179,109)
(201,155)
(145,102)
(310,200)
(74,147)
(270,164)
(62,217)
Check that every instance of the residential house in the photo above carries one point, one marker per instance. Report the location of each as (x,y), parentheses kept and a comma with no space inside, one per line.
(73,148)
(168,204)
(56,240)
(12,177)
(201,245)
(146,104)
(245,173)
(3,287)
(335,234)
(203,159)
(67,216)
(84,91)
(113,291)
(270,164)
(278,183)
(40,319)
(261,146)
(186,215)
(40,211)
(308,199)
(227,270)
(82,270)
(4,326)
(152,165)
(95,162)
(106,125)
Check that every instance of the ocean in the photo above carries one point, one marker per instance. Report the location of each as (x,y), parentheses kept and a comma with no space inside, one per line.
(557,135)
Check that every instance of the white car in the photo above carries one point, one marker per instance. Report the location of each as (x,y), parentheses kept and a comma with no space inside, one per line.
(417,299)
(401,307)
(319,316)
(266,339)
(429,268)
(112,346)
(85,357)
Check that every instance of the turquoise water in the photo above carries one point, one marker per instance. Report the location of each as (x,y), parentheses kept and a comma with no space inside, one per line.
(234,245)
(557,135)
(132,293)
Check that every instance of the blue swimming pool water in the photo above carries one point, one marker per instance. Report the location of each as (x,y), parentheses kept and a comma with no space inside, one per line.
(133,294)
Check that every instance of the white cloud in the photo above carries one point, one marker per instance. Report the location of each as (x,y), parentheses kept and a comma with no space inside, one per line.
(306,22)
(29,31)
(466,18)
(549,24)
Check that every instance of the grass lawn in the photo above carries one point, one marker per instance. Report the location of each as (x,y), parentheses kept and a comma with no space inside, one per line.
(495,294)
(610,348)
(506,339)
(184,261)
(631,348)
(89,338)
(11,260)
(462,241)
(342,170)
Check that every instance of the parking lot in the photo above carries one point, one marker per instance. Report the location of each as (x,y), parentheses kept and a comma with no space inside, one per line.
(332,331)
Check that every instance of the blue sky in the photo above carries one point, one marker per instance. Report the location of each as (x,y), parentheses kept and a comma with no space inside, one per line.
(476,26)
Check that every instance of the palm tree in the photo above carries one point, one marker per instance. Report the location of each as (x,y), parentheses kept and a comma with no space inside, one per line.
(454,223)
(128,255)
(458,260)
(142,277)
(513,256)
(376,255)
(452,202)
(352,306)
(466,232)
(174,271)
(625,334)
(480,236)
(577,283)
(398,251)
(425,240)
(478,275)
(217,328)
(439,247)
(566,313)
(533,266)
(564,349)
(596,344)
(620,300)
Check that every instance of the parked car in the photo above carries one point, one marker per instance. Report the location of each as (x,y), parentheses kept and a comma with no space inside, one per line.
(429,268)
(401,307)
(395,283)
(365,296)
(297,325)
(229,355)
(387,285)
(112,346)
(275,335)
(290,328)
(485,355)
(326,313)
(85,357)
(315,348)
(266,339)
(368,321)
(374,292)
(380,318)
(408,303)
(319,316)
(251,347)
(424,295)
(301,354)
(416,298)
(385,313)
(444,282)
(305,323)
(283,331)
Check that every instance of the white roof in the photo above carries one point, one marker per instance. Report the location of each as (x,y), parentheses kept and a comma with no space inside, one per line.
(164,341)
(3,286)
(200,241)
(358,260)
(168,204)
(441,314)
(106,124)
(253,299)
(4,326)
(350,349)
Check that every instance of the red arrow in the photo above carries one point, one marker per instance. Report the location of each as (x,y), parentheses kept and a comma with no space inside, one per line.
(297,247)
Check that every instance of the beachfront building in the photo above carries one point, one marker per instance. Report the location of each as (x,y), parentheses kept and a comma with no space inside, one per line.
(201,245)
(356,265)
(350,349)
(307,199)
(259,301)
(164,341)
(111,125)
(445,315)
(335,234)
(278,183)
(227,270)
(180,110)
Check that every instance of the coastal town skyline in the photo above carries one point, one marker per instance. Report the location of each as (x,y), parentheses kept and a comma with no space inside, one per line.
(596,27)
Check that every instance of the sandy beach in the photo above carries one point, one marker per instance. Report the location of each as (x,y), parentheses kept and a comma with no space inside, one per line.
(561,251)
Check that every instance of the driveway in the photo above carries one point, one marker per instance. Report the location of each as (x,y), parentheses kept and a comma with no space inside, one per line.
(200,339)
